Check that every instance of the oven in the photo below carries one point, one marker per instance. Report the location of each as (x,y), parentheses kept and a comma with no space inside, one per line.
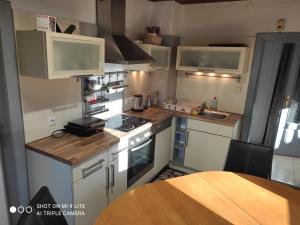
(140,160)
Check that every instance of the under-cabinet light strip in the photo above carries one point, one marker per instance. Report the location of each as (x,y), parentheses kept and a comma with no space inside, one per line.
(230,76)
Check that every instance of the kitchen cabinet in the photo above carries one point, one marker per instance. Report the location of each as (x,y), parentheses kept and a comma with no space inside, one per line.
(161,55)
(50,55)
(86,184)
(207,144)
(162,149)
(224,60)
(91,189)
(118,172)
(205,151)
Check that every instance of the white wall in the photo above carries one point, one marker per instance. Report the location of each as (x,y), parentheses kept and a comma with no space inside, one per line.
(138,17)
(231,22)
(244,18)
(238,18)
(82,10)
(167,16)
(45,98)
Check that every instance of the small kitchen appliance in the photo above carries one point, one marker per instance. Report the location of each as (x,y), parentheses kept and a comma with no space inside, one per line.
(85,127)
(138,103)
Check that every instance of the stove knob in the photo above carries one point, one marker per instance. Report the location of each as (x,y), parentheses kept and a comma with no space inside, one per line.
(147,134)
(131,142)
(138,139)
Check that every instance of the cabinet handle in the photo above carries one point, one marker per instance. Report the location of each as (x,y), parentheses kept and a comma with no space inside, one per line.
(112,176)
(141,146)
(107,181)
(187,138)
(93,168)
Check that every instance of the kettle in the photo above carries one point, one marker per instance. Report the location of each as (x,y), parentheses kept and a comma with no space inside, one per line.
(138,103)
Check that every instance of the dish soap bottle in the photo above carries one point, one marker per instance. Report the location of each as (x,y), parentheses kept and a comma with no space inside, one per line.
(214,103)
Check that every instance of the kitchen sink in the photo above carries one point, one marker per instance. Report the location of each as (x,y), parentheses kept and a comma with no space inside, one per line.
(214,115)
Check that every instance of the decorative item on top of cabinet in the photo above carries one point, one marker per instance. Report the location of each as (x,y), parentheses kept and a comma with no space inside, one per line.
(161,54)
(50,55)
(213,60)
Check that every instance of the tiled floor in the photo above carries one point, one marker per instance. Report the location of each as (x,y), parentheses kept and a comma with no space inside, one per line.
(286,169)
(169,173)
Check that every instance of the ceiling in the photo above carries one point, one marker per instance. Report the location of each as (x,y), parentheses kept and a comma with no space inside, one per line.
(196,1)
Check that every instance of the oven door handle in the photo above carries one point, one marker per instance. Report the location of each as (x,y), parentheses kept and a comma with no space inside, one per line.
(142,146)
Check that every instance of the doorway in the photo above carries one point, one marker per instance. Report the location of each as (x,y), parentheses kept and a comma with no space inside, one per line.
(272,115)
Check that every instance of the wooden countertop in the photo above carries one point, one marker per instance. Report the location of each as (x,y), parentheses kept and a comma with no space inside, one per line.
(158,115)
(206,198)
(155,114)
(71,149)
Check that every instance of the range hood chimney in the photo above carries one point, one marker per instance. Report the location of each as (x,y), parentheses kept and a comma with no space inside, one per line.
(111,25)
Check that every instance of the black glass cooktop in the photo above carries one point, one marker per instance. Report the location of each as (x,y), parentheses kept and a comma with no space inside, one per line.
(125,123)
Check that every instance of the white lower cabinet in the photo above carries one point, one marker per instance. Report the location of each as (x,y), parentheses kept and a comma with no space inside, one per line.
(207,144)
(92,184)
(163,144)
(91,192)
(205,151)
(118,174)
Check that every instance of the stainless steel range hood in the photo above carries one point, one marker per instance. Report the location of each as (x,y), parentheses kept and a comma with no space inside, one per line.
(111,26)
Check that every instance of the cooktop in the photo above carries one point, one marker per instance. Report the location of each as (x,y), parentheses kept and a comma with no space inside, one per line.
(125,123)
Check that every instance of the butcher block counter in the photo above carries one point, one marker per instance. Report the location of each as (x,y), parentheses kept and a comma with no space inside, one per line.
(157,115)
(72,149)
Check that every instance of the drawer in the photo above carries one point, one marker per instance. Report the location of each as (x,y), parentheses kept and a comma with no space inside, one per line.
(211,128)
(98,160)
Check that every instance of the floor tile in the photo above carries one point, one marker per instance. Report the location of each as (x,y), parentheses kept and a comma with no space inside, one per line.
(297,161)
(297,168)
(283,169)
(283,162)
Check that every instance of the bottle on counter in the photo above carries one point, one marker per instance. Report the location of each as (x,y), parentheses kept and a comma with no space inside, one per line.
(214,103)
(155,101)
(149,100)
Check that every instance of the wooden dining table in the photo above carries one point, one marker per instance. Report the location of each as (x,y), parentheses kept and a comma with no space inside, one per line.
(206,198)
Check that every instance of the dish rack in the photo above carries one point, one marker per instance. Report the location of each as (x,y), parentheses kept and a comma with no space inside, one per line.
(98,89)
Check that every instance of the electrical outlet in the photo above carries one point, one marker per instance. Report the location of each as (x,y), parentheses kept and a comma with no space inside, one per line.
(51,121)
(129,101)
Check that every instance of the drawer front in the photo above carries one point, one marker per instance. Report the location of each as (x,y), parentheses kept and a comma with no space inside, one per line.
(116,149)
(88,167)
(211,128)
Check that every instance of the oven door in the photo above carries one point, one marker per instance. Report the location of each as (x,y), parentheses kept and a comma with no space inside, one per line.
(140,161)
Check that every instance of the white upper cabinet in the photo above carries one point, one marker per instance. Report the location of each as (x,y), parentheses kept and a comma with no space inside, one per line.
(231,60)
(161,54)
(50,55)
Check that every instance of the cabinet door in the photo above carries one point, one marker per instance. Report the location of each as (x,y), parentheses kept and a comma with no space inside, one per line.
(162,149)
(69,56)
(205,151)
(212,59)
(118,171)
(91,191)
(161,56)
